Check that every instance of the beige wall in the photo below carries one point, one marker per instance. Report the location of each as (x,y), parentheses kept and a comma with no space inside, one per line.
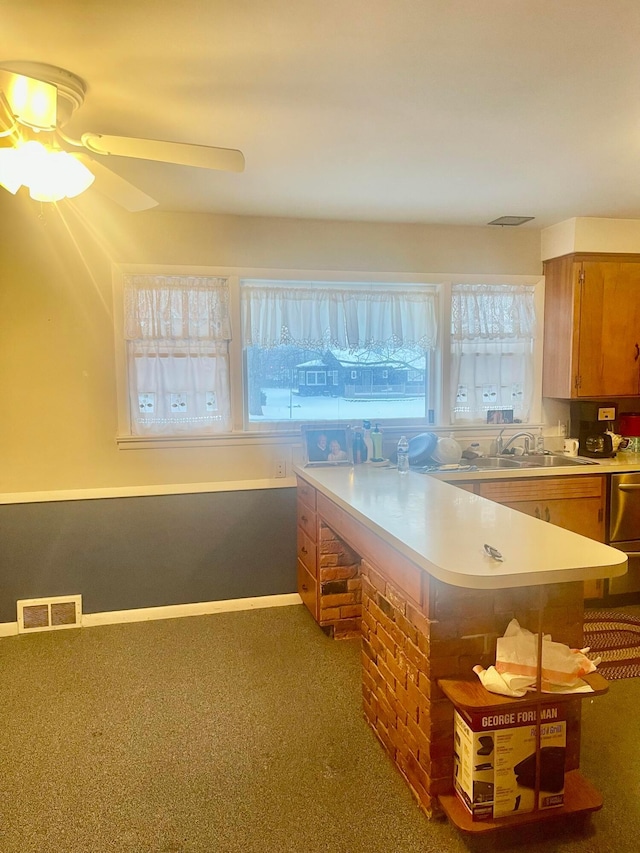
(58,421)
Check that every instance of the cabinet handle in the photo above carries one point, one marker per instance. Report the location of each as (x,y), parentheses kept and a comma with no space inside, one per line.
(547,514)
(637,353)
(303,550)
(304,587)
(304,518)
(537,512)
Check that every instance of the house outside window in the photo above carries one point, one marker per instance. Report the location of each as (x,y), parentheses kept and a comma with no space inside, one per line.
(360,333)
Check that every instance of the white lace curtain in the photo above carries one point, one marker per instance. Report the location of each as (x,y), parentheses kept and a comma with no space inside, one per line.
(493,330)
(321,316)
(178,332)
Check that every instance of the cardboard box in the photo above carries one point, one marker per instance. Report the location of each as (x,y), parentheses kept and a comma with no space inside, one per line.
(494,759)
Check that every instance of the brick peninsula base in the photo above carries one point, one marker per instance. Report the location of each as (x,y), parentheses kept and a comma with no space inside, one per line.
(416,629)
(406,648)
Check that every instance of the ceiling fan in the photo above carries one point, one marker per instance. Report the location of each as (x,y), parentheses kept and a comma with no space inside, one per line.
(37,100)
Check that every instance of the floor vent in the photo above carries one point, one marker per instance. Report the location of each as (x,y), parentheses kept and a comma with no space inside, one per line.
(49,614)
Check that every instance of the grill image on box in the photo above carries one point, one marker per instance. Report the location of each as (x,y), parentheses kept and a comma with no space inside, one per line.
(551,769)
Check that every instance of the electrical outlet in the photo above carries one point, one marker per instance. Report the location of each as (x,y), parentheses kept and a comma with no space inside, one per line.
(281,468)
(608,414)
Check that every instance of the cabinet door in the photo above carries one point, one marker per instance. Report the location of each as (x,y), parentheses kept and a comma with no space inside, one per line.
(561,331)
(609,321)
(575,503)
(582,515)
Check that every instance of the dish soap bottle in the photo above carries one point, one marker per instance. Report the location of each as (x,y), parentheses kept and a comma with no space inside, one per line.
(376,439)
(540,442)
(368,443)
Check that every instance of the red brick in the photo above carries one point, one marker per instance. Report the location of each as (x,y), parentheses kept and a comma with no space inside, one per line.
(328,561)
(330,546)
(376,579)
(441,711)
(417,658)
(327,614)
(439,630)
(398,600)
(386,639)
(398,671)
(443,667)
(407,741)
(377,645)
(352,611)
(385,739)
(419,735)
(409,631)
(338,600)
(378,615)
(337,573)
(326,532)
(417,619)
(385,672)
(347,629)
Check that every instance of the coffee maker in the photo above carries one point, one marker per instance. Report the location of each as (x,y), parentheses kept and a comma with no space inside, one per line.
(594,441)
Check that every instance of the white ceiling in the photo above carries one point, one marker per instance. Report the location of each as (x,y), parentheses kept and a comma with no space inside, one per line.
(433,111)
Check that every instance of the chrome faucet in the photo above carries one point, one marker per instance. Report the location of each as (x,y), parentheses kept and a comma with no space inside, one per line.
(502,447)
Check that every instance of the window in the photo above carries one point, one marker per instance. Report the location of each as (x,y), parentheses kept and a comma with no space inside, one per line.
(493,337)
(374,340)
(177,332)
(405,352)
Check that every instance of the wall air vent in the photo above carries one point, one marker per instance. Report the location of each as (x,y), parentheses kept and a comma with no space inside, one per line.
(511,220)
(49,614)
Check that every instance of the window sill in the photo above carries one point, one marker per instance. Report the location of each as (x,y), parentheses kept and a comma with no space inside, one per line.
(160,442)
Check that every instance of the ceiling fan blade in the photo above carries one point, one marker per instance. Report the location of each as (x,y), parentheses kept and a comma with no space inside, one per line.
(182,153)
(115,187)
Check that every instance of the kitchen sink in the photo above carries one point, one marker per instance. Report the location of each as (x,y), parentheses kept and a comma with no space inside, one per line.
(547,461)
(494,462)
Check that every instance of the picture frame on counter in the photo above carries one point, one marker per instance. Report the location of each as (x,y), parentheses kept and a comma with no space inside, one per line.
(326,445)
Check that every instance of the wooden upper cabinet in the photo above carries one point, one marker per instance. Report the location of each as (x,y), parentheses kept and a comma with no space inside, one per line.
(592,327)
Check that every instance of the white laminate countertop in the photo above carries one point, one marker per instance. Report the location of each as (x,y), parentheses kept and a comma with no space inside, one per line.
(443,530)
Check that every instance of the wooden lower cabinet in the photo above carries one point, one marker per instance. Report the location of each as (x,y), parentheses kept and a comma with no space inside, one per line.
(308,590)
(575,503)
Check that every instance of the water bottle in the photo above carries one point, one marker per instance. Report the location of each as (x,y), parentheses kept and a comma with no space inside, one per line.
(403,455)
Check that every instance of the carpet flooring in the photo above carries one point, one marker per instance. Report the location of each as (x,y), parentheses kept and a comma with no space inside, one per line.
(242,733)
(613,636)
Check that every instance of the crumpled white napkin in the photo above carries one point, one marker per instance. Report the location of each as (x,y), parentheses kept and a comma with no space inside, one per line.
(505,683)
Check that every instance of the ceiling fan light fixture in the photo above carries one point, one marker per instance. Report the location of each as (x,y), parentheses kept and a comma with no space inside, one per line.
(10,175)
(33,102)
(50,174)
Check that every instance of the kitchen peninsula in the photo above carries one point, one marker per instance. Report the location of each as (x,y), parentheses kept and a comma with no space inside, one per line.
(401,560)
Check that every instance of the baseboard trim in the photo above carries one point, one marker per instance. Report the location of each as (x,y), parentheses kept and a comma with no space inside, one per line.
(177,611)
(173,611)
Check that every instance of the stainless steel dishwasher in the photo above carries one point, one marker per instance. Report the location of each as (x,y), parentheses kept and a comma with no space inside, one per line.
(624,529)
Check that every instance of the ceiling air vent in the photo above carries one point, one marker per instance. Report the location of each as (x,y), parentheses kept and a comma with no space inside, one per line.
(511,220)
(49,614)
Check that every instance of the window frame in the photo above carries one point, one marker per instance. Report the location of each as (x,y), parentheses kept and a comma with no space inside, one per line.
(271,432)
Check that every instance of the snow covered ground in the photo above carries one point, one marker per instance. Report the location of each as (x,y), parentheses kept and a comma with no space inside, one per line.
(282,405)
